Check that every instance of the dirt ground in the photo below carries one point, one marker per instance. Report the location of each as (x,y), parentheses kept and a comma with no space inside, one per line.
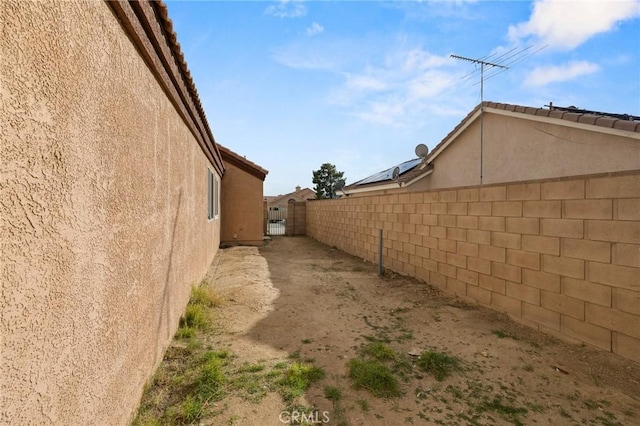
(297,296)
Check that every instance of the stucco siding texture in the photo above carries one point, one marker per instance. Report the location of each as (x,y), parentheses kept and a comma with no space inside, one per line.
(519,149)
(103,195)
(242,207)
(458,165)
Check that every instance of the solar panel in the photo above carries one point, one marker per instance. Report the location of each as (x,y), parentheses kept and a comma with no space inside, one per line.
(388,174)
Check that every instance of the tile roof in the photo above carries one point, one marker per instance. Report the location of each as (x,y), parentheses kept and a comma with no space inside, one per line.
(611,121)
(242,162)
(304,193)
(150,29)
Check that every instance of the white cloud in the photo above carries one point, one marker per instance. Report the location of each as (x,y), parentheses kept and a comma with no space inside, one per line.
(398,92)
(286,9)
(365,82)
(542,76)
(318,53)
(387,82)
(429,84)
(294,57)
(315,29)
(417,59)
(382,112)
(567,24)
(422,10)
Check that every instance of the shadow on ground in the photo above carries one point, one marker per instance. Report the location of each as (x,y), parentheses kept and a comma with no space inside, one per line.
(296,298)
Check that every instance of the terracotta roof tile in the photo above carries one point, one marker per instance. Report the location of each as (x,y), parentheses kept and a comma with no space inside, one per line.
(605,121)
(571,116)
(556,114)
(163,13)
(303,193)
(631,126)
(587,119)
(151,31)
(241,162)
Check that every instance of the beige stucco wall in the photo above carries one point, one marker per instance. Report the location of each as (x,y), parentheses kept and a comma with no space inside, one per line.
(518,149)
(102,215)
(242,207)
(458,165)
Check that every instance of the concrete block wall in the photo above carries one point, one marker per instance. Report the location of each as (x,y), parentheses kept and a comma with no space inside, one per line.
(562,256)
(296,218)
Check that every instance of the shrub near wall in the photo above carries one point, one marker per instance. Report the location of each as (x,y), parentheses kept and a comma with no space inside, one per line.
(562,256)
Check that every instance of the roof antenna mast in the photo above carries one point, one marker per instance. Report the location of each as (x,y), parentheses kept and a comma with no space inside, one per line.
(482,65)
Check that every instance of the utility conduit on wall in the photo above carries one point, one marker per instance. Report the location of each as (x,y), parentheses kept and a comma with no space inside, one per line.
(562,255)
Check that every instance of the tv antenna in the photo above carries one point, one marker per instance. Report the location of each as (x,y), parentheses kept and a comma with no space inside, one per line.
(500,62)
(482,65)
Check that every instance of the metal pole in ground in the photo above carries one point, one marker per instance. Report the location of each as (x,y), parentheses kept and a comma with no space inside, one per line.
(380,252)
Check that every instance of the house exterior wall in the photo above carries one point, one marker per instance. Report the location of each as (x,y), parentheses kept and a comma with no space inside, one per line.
(242,207)
(103,197)
(299,196)
(458,165)
(562,255)
(522,149)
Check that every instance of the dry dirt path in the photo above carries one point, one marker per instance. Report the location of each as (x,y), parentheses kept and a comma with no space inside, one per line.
(297,297)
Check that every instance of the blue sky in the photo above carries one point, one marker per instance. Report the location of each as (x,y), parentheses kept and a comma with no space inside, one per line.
(294,84)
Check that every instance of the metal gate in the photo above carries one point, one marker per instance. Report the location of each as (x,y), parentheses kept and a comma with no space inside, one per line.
(276,220)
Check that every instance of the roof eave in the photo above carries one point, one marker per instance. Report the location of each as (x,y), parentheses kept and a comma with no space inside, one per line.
(242,163)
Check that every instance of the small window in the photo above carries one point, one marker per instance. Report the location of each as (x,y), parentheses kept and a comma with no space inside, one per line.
(216,197)
(213,195)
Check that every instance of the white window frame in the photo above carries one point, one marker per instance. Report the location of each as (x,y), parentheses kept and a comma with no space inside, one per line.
(213,195)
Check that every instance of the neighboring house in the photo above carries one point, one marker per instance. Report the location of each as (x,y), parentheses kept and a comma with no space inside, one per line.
(278,218)
(409,172)
(517,144)
(242,205)
(549,233)
(300,194)
(109,205)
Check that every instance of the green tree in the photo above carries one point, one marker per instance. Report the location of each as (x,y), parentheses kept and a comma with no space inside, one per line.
(325,180)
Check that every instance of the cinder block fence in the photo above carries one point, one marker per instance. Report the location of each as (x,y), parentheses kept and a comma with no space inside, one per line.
(562,256)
